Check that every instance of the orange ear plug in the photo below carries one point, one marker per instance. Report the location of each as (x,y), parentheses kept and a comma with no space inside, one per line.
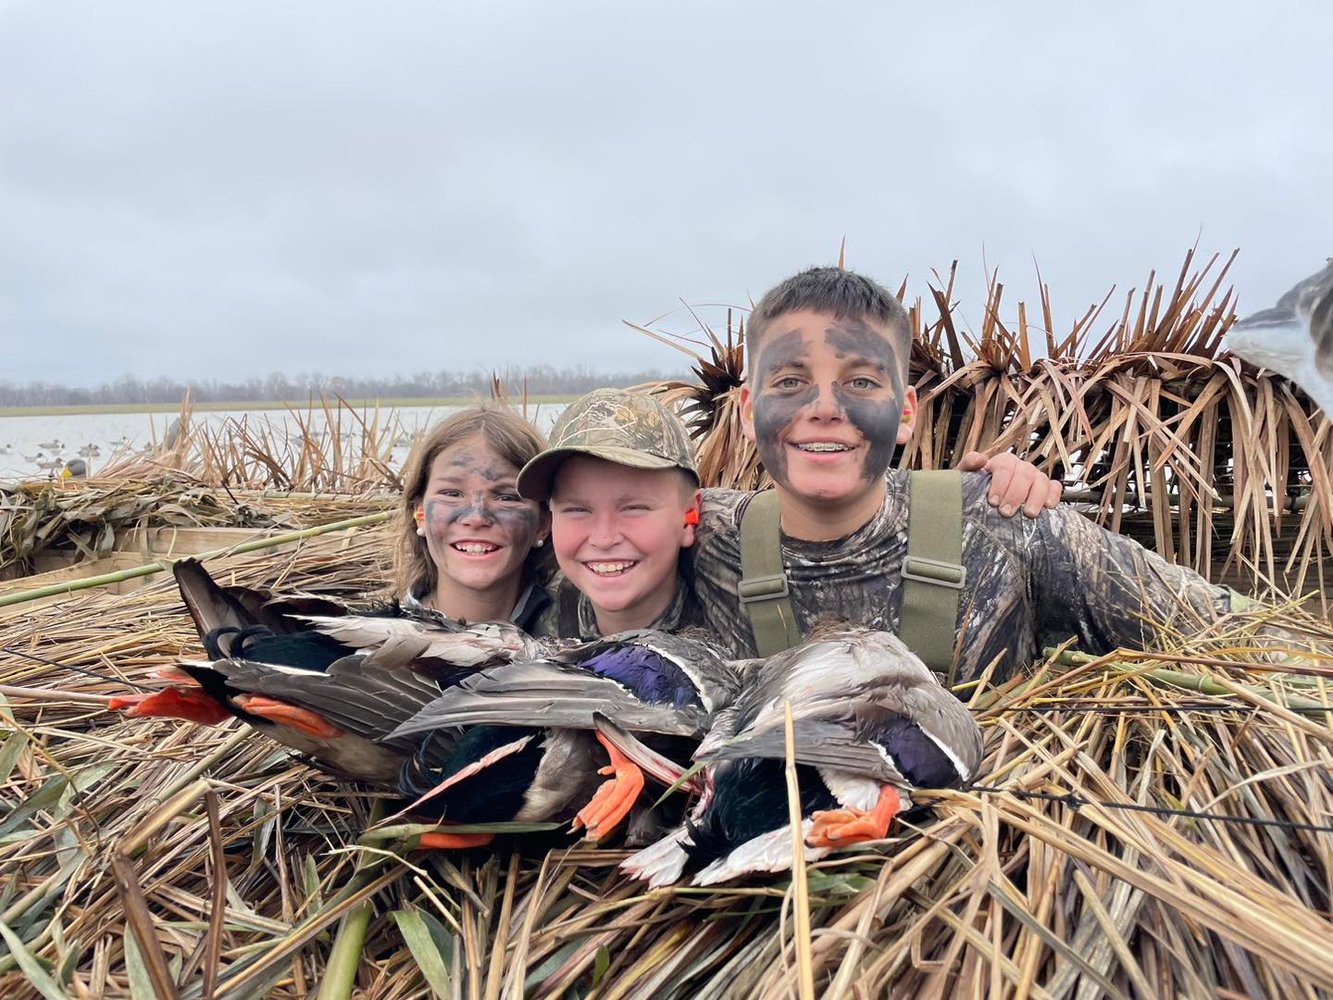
(692,517)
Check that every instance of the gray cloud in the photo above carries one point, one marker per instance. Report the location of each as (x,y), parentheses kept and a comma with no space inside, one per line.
(247,187)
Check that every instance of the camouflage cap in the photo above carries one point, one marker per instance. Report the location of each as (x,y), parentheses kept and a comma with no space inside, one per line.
(627,428)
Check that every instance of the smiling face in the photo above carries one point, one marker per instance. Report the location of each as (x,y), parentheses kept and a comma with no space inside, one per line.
(618,533)
(825,406)
(477,528)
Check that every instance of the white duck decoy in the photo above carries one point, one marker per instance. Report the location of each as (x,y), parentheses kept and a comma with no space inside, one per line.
(1295,337)
(871,722)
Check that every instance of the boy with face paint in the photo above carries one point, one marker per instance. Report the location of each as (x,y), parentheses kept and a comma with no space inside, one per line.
(826,402)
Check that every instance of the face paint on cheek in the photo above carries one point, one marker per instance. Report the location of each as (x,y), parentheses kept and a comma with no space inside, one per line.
(520,523)
(878,423)
(775,410)
(876,419)
(434,514)
(773,414)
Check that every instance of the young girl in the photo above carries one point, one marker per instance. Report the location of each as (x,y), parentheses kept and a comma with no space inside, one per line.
(469,546)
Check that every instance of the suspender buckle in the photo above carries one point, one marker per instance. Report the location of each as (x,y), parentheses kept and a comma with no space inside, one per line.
(935,571)
(763,588)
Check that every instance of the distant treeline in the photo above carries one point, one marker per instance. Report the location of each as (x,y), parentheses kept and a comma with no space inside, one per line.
(539,380)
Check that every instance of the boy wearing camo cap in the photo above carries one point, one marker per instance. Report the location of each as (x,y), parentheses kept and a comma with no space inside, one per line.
(623,489)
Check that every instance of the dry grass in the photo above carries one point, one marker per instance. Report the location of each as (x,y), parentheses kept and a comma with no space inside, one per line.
(991,892)
(328,445)
(89,517)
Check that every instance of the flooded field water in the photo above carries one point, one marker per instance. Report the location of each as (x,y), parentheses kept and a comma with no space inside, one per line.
(36,446)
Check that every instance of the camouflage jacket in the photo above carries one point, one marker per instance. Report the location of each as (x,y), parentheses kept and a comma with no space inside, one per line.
(572,616)
(1030,582)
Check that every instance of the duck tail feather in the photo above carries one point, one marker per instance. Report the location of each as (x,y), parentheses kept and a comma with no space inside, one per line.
(210,606)
(661,863)
(769,852)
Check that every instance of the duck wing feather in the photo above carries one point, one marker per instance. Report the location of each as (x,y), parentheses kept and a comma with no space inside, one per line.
(399,641)
(547,693)
(860,702)
(356,695)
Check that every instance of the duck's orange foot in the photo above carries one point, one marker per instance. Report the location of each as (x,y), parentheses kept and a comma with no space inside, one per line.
(613,800)
(286,714)
(190,704)
(441,841)
(840,827)
(175,676)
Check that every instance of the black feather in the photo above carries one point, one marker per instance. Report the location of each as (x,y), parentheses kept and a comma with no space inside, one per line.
(492,796)
(749,799)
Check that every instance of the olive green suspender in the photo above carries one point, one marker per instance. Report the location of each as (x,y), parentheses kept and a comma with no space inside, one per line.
(933,572)
(763,587)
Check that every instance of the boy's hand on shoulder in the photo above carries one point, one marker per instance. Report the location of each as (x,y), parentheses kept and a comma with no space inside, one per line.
(1014,483)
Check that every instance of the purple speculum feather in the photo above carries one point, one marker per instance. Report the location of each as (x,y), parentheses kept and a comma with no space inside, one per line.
(650,676)
(917,756)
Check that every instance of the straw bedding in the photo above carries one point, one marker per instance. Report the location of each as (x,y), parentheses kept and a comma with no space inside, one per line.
(989,892)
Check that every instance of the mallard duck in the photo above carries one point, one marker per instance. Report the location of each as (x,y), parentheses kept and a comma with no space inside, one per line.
(646,682)
(1295,337)
(871,722)
(331,691)
(500,774)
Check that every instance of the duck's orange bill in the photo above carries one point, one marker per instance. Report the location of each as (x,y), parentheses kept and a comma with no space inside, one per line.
(840,827)
(190,704)
(453,841)
(286,714)
(614,799)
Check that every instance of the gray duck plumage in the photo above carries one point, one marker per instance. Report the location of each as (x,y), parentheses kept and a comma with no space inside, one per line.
(866,713)
(1295,337)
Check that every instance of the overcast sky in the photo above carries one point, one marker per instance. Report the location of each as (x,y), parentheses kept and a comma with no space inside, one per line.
(235,188)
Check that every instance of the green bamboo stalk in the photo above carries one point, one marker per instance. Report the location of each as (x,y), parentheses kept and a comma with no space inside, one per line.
(360,886)
(148,569)
(1195,682)
(345,957)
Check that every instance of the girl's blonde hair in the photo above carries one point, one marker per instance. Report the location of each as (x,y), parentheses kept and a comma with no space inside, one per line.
(509,436)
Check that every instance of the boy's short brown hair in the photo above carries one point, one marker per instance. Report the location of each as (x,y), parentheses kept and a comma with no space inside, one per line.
(841,293)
